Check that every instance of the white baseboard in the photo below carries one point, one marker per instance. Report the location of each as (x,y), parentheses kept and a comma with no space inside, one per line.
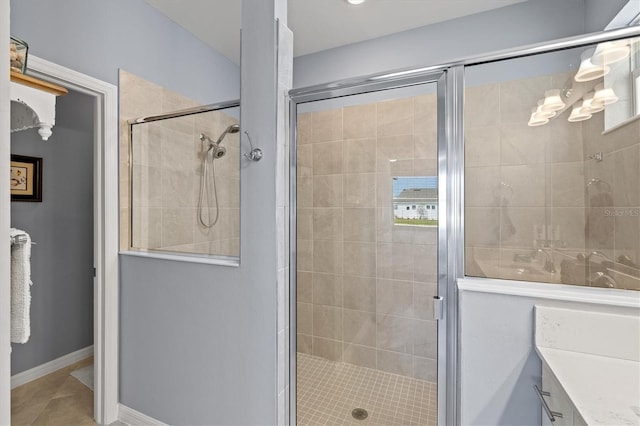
(135,418)
(51,366)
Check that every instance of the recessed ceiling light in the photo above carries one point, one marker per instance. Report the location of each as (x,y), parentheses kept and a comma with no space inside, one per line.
(355,1)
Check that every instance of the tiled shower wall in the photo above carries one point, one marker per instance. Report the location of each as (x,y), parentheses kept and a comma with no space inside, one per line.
(518,177)
(166,174)
(365,286)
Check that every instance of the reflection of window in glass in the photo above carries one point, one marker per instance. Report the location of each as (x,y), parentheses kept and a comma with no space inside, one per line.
(415,200)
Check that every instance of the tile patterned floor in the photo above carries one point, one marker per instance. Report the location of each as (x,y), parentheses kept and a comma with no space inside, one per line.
(328,391)
(55,399)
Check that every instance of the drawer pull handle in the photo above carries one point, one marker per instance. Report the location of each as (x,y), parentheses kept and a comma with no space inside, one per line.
(551,414)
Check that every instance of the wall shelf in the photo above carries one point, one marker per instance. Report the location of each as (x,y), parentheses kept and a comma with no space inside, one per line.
(36,83)
(33,103)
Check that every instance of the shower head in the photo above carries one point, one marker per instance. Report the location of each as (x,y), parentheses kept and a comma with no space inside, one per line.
(214,147)
(234,128)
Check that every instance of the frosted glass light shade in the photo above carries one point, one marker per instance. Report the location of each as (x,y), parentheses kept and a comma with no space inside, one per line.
(536,120)
(610,52)
(589,71)
(552,101)
(588,107)
(539,113)
(577,114)
(604,96)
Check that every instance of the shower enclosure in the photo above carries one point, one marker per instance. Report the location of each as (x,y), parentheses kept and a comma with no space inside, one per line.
(369,216)
(394,199)
(185,182)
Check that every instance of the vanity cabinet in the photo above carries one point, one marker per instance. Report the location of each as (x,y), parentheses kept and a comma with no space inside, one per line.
(590,366)
(559,410)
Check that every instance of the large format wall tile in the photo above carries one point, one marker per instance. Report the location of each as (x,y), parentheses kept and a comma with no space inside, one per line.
(166,157)
(366,279)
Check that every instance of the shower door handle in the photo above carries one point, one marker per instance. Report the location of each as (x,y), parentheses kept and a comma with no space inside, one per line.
(438,308)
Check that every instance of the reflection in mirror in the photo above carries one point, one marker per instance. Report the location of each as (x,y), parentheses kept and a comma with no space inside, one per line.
(549,195)
(603,81)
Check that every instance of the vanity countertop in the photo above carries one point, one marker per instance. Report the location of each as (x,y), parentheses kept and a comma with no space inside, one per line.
(604,390)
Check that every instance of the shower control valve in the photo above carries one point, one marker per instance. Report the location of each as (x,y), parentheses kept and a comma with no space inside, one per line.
(256,153)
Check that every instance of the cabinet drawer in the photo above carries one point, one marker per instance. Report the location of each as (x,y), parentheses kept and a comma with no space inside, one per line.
(557,401)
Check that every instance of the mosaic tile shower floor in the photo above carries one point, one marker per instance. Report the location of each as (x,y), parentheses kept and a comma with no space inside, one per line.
(328,391)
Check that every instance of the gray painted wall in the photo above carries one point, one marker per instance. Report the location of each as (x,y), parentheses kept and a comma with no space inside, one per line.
(498,362)
(98,37)
(599,13)
(62,227)
(197,341)
(203,337)
(524,23)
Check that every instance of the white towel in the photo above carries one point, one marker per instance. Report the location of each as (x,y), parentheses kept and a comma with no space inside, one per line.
(20,291)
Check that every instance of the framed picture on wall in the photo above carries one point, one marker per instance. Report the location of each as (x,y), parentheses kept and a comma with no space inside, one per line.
(26,178)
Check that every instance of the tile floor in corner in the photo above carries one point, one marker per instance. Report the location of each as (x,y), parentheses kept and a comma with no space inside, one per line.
(55,399)
(328,391)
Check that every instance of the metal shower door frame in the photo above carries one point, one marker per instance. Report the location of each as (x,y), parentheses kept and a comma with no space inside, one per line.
(450,88)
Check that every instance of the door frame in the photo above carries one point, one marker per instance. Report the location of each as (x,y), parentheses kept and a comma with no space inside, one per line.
(106,231)
(449,85)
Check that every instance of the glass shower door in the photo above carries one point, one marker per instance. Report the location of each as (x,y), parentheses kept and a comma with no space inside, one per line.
(367,210)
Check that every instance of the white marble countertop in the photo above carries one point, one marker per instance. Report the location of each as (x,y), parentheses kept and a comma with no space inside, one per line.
(604,390)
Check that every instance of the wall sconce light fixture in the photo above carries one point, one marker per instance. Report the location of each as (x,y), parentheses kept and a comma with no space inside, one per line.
(588,70)
(610,52)
(577,114)
(604,96)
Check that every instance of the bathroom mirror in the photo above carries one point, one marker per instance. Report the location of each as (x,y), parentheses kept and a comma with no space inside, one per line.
(549,197)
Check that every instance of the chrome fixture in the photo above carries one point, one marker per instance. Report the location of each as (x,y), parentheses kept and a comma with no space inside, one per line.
(217,151)
(598,183)
(256,153)
(600,279)
(552,415)
(549,266)
(234,128)
(598,156)
(597,253)
(359,413)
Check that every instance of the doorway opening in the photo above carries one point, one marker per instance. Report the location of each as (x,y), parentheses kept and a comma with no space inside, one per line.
(100,161)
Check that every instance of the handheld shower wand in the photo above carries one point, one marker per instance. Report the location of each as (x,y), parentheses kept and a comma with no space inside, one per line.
(217,151)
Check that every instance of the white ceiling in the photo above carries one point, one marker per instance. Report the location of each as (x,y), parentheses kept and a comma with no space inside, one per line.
(319,24)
